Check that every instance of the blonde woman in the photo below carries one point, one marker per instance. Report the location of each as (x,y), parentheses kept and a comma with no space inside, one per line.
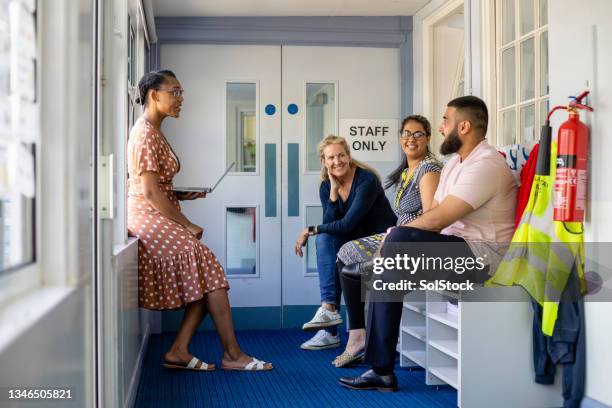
(354,206)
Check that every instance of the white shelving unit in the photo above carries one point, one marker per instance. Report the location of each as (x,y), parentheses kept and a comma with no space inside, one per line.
(429,337)
(484,351)
(413,331)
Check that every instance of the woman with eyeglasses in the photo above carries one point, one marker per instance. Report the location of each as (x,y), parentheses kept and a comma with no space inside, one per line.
(416,179)
(175,270)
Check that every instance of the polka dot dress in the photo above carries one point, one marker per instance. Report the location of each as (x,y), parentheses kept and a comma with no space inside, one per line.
(174,267)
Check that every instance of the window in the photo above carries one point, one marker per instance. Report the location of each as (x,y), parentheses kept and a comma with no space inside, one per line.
(241,241)
(132,88)
(320,119)
(314,216)
(19,131)
(134,46)
(241,126)
(521,44)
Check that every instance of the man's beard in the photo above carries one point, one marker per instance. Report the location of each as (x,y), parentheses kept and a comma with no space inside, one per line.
(451,143)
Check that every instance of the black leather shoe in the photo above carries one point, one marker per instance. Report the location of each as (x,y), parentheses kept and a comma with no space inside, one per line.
(371,381)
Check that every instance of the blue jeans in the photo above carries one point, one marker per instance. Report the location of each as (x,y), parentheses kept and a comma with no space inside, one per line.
(328,246)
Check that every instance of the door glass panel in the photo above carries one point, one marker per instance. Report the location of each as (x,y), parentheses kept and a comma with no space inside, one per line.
(543,112)
(320,119)
(527,16)
(543,12)
(508,21)
(508,127)
(508,75)
(544,64)
(528,132)
(314,216)
(131,55)
(241,241)
(16,231)
(527,70)
(241,126)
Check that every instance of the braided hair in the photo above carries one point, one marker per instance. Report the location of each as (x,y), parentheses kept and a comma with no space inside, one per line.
(151,80)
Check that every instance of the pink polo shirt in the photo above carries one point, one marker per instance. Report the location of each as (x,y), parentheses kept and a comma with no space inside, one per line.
(484,181)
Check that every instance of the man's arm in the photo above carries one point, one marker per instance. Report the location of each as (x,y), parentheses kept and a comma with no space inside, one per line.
(442,215)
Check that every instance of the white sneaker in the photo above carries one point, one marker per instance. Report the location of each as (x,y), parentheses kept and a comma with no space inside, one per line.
(323,318)
(321,340)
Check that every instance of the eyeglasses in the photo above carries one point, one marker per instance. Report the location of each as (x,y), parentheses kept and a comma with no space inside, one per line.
(176,92)
(417,135)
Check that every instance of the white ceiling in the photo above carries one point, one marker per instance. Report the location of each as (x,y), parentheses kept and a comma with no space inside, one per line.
(261,8)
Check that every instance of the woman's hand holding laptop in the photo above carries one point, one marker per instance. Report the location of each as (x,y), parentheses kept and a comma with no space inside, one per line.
(189,195)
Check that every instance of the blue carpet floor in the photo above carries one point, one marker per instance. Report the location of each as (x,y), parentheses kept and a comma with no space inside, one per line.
(300,378)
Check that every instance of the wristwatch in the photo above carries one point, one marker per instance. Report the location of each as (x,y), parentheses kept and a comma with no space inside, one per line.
(312,230)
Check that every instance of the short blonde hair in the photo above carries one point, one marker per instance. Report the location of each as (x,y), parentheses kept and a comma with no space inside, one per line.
(333,139)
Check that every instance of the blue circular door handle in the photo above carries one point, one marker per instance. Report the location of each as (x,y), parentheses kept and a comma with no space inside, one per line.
(270,109)
(292,109)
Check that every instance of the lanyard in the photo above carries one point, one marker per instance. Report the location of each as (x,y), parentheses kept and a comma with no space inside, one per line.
(406,180)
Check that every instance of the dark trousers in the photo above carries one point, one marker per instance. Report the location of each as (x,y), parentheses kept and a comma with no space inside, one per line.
(383,320)
(355,307)
(566,346)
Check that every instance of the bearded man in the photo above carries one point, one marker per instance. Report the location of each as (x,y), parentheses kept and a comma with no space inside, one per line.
(472,212)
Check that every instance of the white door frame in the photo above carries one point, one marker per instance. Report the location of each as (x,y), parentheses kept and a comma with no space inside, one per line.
(427,59)
(489,65)
(112,126)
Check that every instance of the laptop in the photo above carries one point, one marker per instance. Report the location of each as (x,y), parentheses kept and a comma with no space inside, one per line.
(203,189)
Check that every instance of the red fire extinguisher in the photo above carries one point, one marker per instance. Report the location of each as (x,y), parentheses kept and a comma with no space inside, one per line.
(569,197)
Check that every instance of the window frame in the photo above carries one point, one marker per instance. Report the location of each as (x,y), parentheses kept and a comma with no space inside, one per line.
(33,220)
(304,141)
(258,143)
(257,208)
(305,223)
(27,275)
(498,49)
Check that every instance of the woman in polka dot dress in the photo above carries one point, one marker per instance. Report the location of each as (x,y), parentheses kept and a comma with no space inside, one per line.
(175,270)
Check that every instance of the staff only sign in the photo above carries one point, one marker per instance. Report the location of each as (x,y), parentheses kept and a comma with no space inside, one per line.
(371,139)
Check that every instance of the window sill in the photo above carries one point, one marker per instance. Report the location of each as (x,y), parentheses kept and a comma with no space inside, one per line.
(19,283)
(23,313)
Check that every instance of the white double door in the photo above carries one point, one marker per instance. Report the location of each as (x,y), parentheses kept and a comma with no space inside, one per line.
(266,108)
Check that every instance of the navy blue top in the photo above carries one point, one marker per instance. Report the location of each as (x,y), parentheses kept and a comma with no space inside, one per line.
(365,212)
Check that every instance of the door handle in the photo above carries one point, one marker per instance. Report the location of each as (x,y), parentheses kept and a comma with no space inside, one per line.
(106,200)
(270,179)
(293,180)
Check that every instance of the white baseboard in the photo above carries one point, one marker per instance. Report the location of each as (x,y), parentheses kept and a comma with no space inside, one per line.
(591,403)
(130,397)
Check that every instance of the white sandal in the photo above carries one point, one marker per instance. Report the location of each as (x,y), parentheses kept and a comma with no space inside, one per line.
(254,365)
(192,365)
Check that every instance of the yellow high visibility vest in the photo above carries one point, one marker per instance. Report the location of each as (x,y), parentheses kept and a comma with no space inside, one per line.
(543,252)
